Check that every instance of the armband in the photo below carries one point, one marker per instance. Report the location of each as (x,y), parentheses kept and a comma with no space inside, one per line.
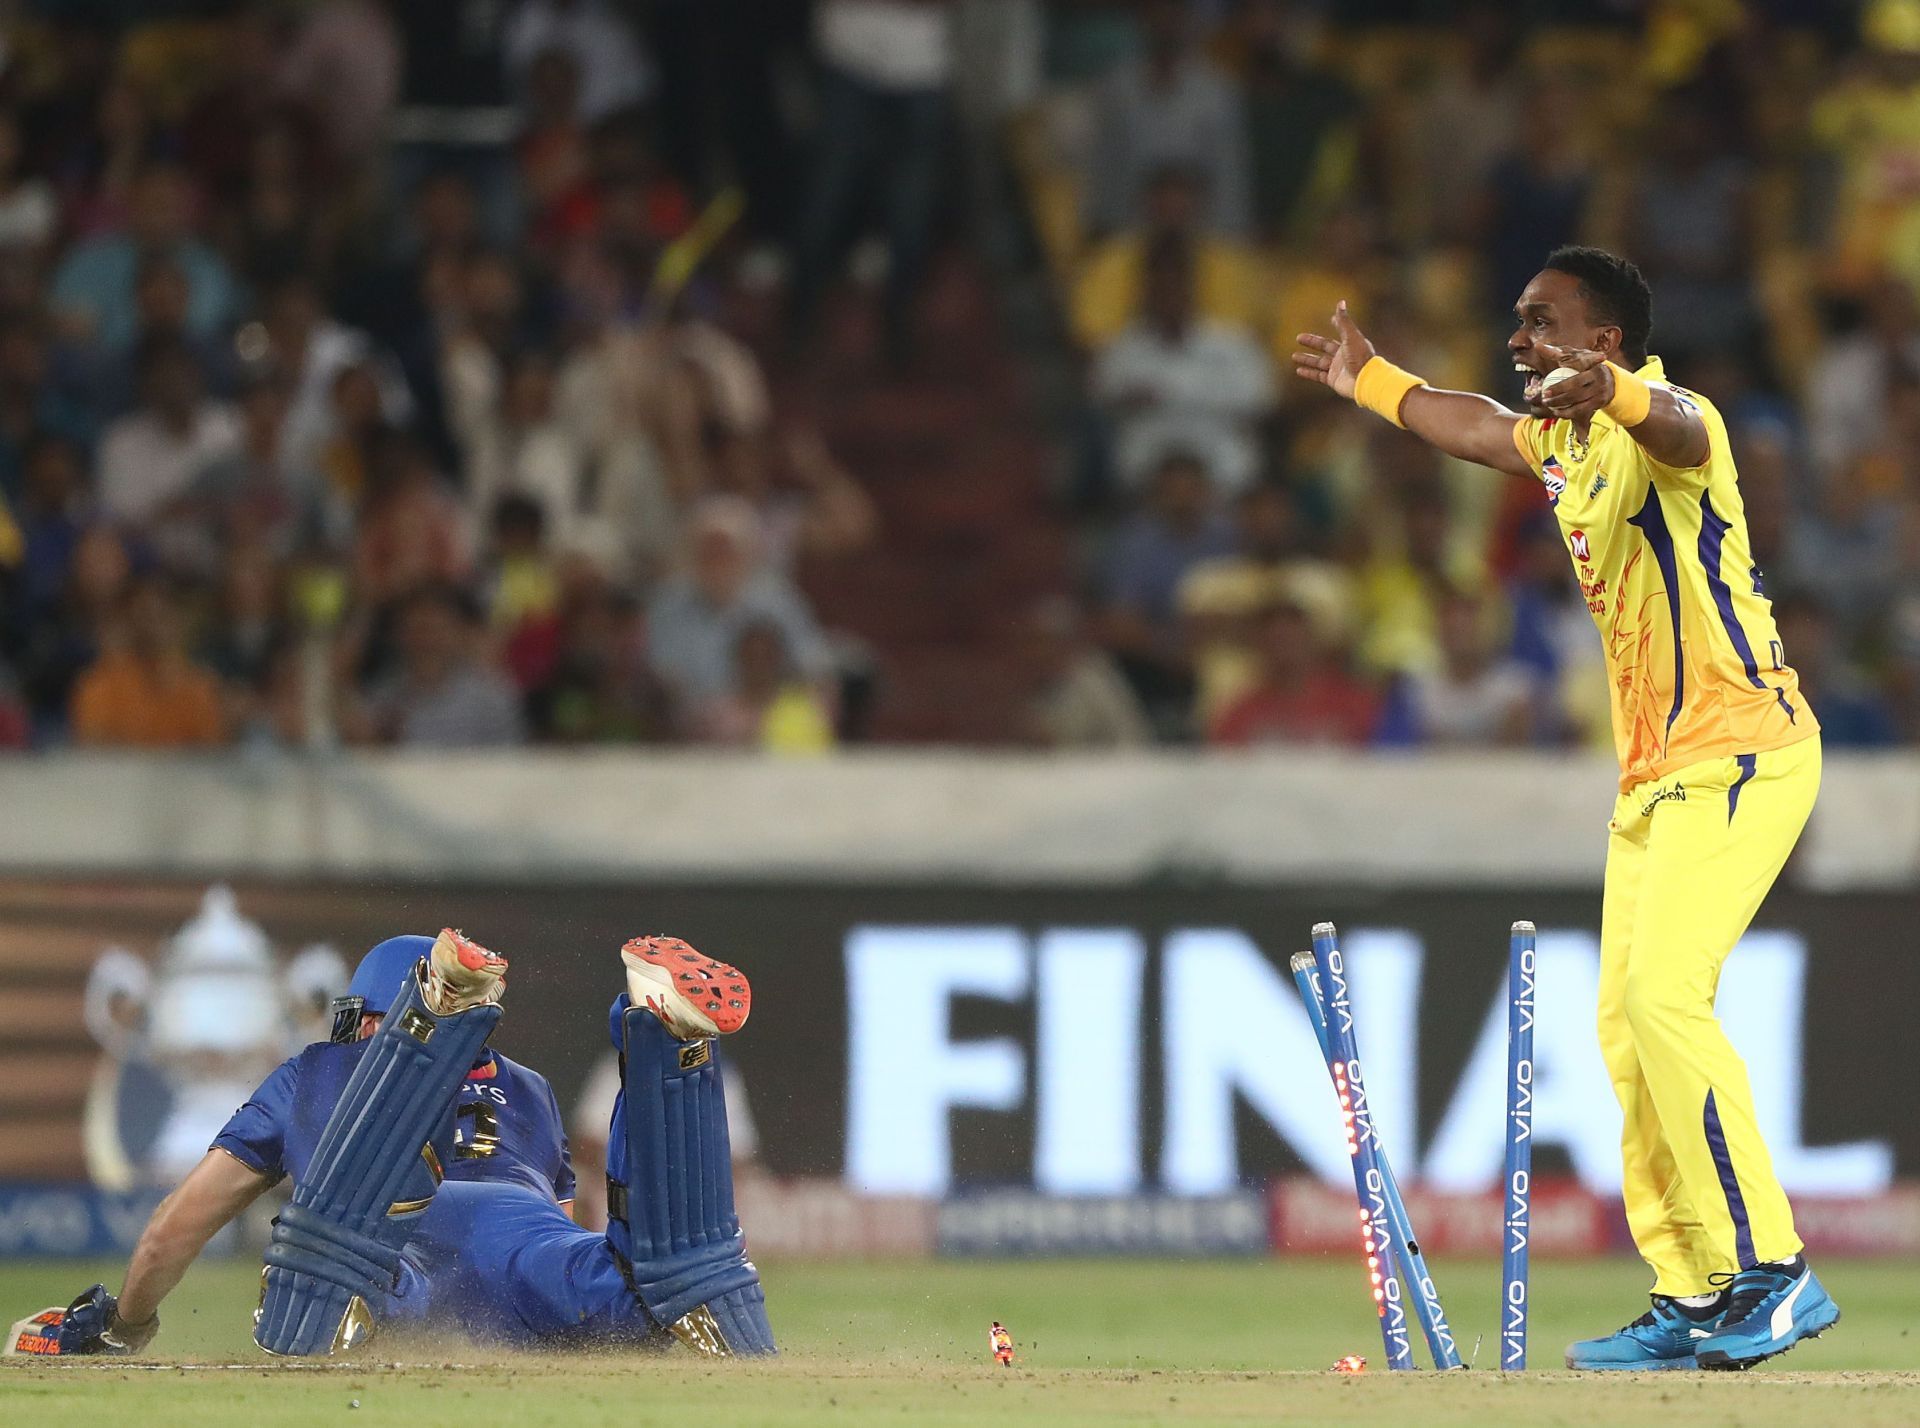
(1381,387)
(1632,398)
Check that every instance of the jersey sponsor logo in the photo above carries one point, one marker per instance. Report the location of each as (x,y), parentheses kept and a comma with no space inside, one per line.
(1599,485)
(1582,550)
(1554,478)
(1673,793)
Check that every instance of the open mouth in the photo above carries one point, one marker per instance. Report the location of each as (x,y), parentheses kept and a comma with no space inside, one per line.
(1530,393)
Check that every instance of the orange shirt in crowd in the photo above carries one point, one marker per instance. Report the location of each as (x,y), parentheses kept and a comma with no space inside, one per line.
(123,699)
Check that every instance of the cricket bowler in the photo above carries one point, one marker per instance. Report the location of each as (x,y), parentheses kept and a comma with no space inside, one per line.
(408,1095)
(1719,765)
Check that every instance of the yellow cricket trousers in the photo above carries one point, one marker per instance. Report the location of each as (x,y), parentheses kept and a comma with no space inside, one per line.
(1689,859)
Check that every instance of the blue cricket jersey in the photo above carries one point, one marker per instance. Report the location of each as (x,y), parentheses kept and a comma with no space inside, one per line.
(505,1128)
(494,1256)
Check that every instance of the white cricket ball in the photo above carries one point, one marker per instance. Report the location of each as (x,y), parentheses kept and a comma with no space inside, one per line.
(1556,377)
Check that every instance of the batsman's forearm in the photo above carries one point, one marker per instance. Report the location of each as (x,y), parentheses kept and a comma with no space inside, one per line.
(215,1190)
(1464,424)
(171,1242)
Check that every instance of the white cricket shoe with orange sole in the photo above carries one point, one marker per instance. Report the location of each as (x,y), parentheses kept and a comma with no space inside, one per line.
(692,994)
(462,974)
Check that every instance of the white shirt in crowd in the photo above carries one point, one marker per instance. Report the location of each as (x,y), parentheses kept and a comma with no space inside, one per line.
(893,44)
(1477,710)
(144,465)
(1205,390)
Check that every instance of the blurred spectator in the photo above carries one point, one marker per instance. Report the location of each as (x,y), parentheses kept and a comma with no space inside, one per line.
(624,201)
(1871,345)
(702,396)
(30,404)
(410,533)
(613,73)
(453,119)
(885,66)
(93,294)
(1302,694)
(610,417)
(1176,528)
(771,708)
(48,522)
(64,639)
(105,154)
(150,457)
(284,225)
(16,724)
(1688,228)
(29,213)
(385,292)
(444,694)
(1222,598)
(1176,381)
(1413,562)
(695,619)
(1463,124)
(600,689)
(1168,106)
(253,495)
(809,505)
(1846,551)
(523,590)
(1553,640)
(1867,122)
(309,351)
(1535,200)
(457,359)
(1472,697)
(551,150)
(518,446)
(144,690)
(1302,118)
(1229,286)
(110,377)
(248,630)
(1079,698)
(343,67)
(1852,714)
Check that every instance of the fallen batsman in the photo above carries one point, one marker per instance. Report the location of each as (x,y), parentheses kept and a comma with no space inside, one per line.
(432,1185)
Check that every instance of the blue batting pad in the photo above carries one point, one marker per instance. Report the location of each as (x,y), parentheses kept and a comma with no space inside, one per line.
(336,1247)
(673,1220)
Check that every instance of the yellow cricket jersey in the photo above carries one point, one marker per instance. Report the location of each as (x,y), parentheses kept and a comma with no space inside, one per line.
(1694,663)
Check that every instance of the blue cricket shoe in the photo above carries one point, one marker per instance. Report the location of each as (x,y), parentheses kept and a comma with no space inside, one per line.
(1665,1337)
(1772,1307)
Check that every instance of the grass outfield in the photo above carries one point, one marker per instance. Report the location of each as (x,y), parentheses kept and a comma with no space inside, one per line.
(1178,1343)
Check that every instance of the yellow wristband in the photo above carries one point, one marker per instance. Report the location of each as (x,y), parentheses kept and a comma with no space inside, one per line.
(1632,398)
(1381,387)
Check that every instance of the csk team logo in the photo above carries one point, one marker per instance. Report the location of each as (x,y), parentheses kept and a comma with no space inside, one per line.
(1582,550)
(1553,478)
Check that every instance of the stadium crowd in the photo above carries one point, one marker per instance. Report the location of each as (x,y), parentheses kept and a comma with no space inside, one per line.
(1276,566)
(368,371)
